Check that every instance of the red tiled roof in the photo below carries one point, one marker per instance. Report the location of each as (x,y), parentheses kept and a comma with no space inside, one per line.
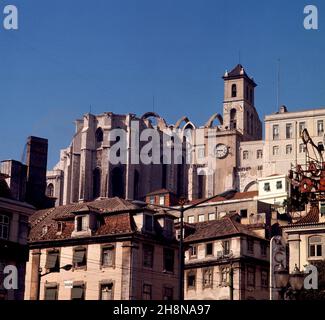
(236,196)
(226,226)
(160,191)
(311,217)
(119,222)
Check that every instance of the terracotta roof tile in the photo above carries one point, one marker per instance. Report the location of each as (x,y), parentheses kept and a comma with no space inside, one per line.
(226,226)
(311,217)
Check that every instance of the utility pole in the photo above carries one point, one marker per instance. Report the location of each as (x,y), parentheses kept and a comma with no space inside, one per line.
(231,282)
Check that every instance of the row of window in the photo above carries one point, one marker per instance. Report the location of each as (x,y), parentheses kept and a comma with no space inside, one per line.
(289,149)
(302,126)
(224,280)
(259,154)
(267,186)
(226,249)
(106,291)
(107,259)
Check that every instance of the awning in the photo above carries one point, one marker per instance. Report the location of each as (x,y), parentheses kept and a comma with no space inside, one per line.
(79,256)
(51,260)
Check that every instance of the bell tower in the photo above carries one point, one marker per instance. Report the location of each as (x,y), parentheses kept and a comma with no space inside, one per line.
(239,111)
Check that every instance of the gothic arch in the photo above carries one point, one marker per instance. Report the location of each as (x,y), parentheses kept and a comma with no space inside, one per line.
(212,118)
(183,119)
(252,186)
(160,121)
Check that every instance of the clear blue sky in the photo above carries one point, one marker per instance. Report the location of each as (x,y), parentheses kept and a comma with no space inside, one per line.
(116,55)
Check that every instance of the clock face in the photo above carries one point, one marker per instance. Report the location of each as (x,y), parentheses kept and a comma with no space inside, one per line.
(221,151)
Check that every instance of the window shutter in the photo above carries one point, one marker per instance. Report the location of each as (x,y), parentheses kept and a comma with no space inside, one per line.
(77,293)
(51,293)
(51,260)
(79,256)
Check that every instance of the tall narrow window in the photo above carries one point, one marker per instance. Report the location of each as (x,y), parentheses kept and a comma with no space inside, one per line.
(245,155)
(259,154)
(289,131)
(208,278)
(276,150)
(117,183)
(51,291)
(276,132)
(320,127)
(79,258)
(136,185)
(53,261)
(108,256)
(168,294)
(50,190)
(289,149)
(233,119)
(96,183)
(4,227)
(78,291)
(234,91)
(148,254)
(147,292)
(169,260)
(302,126)
(99,137)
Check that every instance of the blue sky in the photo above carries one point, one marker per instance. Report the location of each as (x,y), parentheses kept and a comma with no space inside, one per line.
(117,55)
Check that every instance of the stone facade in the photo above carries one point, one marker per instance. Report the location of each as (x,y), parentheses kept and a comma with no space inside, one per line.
(85,171)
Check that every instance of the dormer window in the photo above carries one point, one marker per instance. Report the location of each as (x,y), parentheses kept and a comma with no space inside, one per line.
(81,223)
(44,230)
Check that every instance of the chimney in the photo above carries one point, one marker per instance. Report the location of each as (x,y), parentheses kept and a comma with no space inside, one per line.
(36,161)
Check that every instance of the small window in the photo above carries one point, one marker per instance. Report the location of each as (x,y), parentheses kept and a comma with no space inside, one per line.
(224,276)
(50,190)
(276,150)
(162,200)
(201,218)
(208,278)
(243,213)
(209,249)
(169,260)
(251,277)
(152,200)
(191,219)
(82,223)
(226,247)
(289,131)
(191,280)
(108,255)
(201,153)
(99,136)
(259,154)
(4,227)
(263,249)
(212,216)
(302,148)
(320,127)
(234,91)
(322,209)
(245,155)
(289,149)
(279,185)
(192,251)
(264,279)
(53,261)
(148,254)
(315,247)
(147,292)
(51,291)
(302,126)
(276,132)
(106,291)
(78,291)
(168,294)
(267,187)
(250,245)
(148,223)
(80,258)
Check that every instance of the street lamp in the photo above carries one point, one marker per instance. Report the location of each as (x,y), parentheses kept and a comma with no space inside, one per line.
(67,267)
(288,283)
(182,209)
